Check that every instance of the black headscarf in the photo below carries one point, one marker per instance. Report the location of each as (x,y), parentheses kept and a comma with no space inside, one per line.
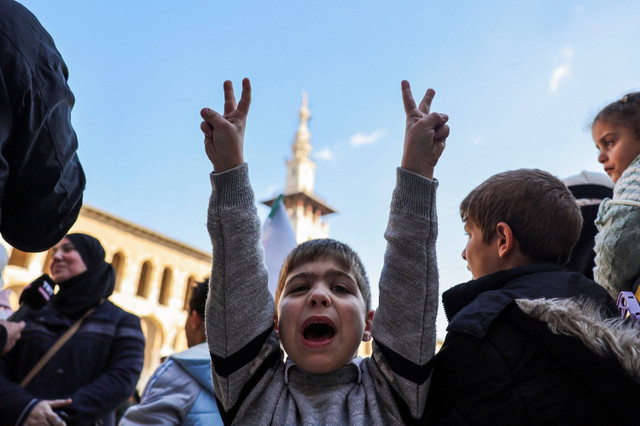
(82,292)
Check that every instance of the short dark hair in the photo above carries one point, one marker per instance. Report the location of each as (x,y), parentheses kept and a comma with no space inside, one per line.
(198,298)
(625,112)
(537,206)
(341,253)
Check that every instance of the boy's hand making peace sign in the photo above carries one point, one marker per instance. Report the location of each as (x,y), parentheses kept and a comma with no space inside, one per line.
(224,134)
(425,134)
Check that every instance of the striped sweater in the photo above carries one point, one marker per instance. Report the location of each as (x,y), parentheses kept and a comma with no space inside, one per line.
(252,382)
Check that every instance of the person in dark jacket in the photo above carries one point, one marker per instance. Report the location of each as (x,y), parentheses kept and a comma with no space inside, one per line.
(41,179)
(589,189)
(96,369)
(501,363)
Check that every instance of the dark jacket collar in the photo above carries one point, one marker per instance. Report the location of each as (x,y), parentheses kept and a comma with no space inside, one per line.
(471,307)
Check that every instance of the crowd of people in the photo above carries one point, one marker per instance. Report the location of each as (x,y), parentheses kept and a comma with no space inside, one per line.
(536,336)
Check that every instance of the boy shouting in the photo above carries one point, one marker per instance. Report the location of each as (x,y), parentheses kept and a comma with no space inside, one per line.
(322,310)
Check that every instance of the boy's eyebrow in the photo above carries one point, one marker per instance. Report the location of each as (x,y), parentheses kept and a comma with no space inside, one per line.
(339,273)
(312,276)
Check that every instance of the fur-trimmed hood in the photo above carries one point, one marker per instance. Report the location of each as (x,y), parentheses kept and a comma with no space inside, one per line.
(607,337)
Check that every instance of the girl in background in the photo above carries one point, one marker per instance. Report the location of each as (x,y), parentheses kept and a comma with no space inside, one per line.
(616,132)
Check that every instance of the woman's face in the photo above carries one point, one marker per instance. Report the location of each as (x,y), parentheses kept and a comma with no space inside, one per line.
(66,262)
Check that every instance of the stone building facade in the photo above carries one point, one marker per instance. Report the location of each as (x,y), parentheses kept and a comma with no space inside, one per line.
(154,275)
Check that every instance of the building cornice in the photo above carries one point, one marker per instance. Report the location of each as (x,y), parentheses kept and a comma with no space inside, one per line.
(308,199)
(144,233)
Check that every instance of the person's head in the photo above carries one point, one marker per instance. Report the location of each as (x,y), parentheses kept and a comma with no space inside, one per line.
(323,305)
(83,276)
(66,261)
(194,328)
(616,132)
(516,218)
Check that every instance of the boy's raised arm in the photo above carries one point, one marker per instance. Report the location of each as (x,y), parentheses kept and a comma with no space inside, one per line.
(404,323)
(240,309)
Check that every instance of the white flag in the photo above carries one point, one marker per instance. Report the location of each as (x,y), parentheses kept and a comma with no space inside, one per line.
(278,239)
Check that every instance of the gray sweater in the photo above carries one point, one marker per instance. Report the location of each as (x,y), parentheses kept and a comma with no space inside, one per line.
(254,385)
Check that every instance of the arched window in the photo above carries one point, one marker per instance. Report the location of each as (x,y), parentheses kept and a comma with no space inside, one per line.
(154,341)
(117,261)
(165,287)
(191,283)
(19,258)
(143,282)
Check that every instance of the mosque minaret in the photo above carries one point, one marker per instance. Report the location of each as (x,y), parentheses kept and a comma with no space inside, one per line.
(306,209)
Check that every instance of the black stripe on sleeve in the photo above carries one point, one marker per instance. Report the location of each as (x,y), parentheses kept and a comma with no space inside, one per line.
(404,368)
(229,416)
(405,412)
(224,367)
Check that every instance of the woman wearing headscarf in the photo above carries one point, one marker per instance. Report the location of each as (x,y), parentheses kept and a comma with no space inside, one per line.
(96,369)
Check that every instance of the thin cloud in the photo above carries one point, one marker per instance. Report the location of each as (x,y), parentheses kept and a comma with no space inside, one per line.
(561,72)
(360,139)
(323,154)
(476,141)
(567,54)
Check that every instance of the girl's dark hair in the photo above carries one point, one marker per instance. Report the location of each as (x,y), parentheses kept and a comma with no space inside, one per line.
(625,112)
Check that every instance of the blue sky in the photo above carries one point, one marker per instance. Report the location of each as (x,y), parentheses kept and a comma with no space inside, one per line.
(520,81)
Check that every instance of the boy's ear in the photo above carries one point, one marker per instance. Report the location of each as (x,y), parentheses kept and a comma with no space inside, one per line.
(195,320)
(275,325)
(368,320)
(506,239)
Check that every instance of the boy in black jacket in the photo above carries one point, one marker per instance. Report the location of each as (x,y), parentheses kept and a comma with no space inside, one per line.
(500,363)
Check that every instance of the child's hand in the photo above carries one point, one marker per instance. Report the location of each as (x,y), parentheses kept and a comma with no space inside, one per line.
(224,134)
(425,134)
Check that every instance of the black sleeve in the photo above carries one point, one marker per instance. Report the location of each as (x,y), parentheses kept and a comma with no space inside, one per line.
(41,179)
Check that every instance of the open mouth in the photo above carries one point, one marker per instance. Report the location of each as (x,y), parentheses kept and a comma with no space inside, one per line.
(318,332)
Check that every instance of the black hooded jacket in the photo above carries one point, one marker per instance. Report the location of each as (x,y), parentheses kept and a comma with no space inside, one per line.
(502,366)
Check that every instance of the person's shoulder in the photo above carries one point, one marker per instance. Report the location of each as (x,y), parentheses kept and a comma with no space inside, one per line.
(109,306)
(170,379)
(21,27)
(13,14)
(194,353)
(165,374)
(118,316)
